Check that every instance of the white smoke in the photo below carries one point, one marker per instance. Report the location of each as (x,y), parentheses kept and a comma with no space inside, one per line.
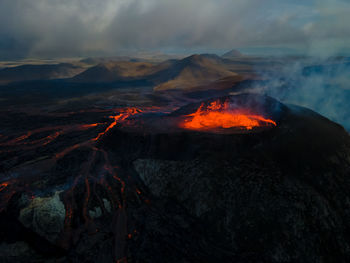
(322,85)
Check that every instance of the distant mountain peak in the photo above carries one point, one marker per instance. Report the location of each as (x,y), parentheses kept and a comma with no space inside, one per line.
(232,54)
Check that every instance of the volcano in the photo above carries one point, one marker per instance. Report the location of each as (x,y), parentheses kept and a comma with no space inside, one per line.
(232,179)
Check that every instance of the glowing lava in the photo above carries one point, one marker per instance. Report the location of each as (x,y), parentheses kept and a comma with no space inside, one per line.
(3,186)
(118,118)
(221,115)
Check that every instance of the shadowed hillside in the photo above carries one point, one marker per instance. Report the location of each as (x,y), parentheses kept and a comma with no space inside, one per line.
(38,72)
(190,72)
(115,71)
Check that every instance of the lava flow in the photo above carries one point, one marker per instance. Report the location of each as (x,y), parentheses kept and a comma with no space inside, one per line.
(100,177)
(97,172)
(221,115)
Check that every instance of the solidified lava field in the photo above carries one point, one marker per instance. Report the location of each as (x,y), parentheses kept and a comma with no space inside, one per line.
(232,179)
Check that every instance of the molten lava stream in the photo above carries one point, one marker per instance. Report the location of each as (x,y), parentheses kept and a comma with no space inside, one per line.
(119,118)
(3,186)
(219,115)
(62,129)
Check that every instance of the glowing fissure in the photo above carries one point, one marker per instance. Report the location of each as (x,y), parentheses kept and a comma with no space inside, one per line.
(220,115)
(117,118)
(23,140)
(3,186)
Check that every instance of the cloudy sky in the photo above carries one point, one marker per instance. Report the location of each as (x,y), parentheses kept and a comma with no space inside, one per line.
(64,28)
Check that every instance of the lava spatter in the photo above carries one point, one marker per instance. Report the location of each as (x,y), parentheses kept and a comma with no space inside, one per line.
(221,115)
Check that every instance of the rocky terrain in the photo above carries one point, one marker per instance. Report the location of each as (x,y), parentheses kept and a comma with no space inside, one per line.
(131,185)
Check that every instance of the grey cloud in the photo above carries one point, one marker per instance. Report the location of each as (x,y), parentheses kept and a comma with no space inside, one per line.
(80,27)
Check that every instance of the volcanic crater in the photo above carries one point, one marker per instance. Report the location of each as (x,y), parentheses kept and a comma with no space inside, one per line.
(224,115)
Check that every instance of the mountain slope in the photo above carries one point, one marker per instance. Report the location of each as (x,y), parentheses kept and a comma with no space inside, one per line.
(38,72)
(192,71)
(187,73)
(232,54)
(115,71)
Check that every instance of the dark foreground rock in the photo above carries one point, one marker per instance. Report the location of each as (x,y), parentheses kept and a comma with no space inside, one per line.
(279,195)
(273,195)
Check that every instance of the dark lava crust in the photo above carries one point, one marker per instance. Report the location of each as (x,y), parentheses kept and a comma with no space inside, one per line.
(273,195)
(280,195)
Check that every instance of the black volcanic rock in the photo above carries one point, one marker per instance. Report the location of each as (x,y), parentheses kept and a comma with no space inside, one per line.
(278,195)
